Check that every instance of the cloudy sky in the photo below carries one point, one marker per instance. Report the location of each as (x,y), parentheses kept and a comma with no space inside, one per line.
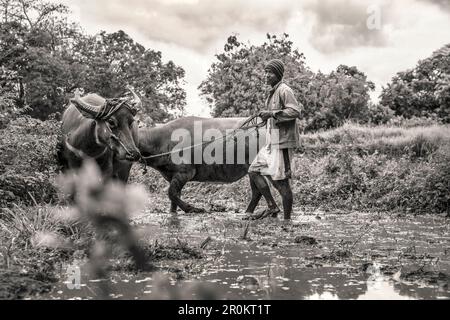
(328,32)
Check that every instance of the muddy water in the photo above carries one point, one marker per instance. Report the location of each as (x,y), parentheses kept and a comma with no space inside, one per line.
(317,256)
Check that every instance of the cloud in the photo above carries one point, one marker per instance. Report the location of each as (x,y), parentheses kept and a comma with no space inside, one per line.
(335,25)
(343,24)
(443,4)
(192,24)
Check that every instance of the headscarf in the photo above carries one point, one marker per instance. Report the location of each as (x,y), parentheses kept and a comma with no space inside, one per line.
(277,67)
(111,106)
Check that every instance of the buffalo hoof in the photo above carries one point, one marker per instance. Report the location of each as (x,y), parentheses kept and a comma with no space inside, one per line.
(195,210)
(264,214)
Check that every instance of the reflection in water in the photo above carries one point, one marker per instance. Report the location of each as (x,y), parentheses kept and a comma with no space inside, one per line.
(173,221)
(260,270)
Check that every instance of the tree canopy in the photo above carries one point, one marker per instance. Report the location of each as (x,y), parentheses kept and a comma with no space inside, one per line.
(423,90)
(235,84)
(44,58)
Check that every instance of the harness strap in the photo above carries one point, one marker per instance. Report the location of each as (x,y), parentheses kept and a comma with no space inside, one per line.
(118,140)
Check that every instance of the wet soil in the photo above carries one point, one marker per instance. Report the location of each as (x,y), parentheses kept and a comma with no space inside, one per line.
(316,256)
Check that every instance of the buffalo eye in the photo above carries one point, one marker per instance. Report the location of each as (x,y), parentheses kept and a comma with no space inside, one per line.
(112,123)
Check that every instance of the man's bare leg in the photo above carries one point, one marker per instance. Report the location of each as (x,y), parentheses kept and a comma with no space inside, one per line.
(263,187)
(284,188)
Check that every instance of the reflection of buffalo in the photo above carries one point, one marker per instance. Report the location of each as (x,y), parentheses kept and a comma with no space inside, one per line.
(102,129)
(158,140)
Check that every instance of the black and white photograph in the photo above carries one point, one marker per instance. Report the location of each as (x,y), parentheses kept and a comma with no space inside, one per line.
(237,152)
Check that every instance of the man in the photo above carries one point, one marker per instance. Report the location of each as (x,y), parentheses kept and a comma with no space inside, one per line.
(274,160)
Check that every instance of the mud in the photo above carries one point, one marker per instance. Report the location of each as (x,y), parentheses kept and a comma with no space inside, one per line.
(15,284)
(317,256)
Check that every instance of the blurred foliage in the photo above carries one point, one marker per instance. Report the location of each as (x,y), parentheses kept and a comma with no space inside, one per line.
(423,90)
(44,58)
(95,232)
(107,207)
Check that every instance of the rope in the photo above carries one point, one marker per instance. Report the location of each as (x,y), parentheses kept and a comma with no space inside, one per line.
(83,155)
(113,136)
(244,126)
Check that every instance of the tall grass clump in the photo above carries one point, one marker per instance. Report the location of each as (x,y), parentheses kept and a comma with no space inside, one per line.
(376,168)
(34,243)
(415,142)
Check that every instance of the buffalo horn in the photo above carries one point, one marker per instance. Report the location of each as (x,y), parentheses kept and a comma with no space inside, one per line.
(137,101)
(83,105)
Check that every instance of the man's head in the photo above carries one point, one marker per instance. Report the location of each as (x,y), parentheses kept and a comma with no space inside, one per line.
(274,71)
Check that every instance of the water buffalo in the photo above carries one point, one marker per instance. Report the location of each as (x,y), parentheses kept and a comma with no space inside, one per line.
(241,148)
(100,129)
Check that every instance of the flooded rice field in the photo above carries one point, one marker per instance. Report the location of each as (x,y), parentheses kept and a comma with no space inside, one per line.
(316,256)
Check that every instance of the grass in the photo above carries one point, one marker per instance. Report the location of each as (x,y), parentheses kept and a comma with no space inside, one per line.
(34,242)
(417,142)
(376,168)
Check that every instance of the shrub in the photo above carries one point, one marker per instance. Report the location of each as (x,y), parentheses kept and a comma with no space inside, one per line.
(381,168)
(379,114)
(400,121)
(28,167)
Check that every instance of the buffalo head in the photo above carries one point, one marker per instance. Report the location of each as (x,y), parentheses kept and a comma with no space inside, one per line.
(114,120)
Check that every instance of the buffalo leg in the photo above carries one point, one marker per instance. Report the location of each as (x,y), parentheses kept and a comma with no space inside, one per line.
(122,171)
(173,207)
(177,183)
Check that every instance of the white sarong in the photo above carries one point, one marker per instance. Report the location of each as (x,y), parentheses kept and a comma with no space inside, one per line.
(269,161)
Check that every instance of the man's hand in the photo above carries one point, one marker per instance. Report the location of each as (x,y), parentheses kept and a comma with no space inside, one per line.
(265,115)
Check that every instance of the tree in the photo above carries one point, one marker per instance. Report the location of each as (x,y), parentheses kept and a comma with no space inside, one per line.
(115,60)
(330,100)
(235,84)
(32,35)
(423,90)
(47,58)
